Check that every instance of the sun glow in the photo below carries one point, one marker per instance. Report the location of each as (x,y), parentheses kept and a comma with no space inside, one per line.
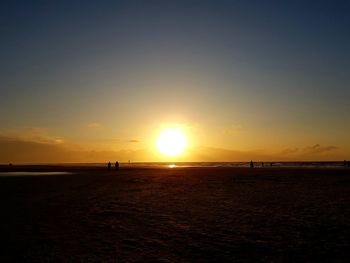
(171,142)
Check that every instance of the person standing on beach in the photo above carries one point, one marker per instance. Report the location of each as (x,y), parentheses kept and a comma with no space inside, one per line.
(345,163)
(117,165)
(109,165)
(251,164)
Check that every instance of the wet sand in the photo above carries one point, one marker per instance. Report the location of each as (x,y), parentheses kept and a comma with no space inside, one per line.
(175,215)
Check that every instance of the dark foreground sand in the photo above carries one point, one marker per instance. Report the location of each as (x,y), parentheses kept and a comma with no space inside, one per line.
(176,215)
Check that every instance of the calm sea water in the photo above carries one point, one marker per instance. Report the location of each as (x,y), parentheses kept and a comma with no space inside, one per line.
(237,164)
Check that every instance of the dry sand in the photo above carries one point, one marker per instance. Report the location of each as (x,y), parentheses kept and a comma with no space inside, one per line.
(176,215)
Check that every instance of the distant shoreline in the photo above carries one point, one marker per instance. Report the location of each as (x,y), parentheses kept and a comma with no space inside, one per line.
(89,167)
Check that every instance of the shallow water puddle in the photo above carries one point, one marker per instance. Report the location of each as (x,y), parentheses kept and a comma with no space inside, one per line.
(32,173)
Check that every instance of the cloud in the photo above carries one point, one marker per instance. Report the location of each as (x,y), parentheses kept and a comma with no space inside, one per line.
(234,129)
(94,125)
(15,150)
(31,134)
(134,141)
(212,154)
(34,145)
(316,149)
(20,151)
(313,152)
(289,151)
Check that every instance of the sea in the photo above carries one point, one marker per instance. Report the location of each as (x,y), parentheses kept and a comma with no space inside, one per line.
(304,164)
(315,164)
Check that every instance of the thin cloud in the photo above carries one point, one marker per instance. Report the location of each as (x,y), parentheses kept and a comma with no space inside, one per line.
(319,149)
(32,134)
(233,130)
(134,141)
(289,151)
(94,125)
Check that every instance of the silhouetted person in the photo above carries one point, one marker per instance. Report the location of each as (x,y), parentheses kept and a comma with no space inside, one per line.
(117,165)
(251,164)
(10,164)
(109,165)
(262,164)
(271,164)
(345,164)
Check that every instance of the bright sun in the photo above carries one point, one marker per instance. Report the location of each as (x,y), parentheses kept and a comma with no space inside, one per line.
(171,142)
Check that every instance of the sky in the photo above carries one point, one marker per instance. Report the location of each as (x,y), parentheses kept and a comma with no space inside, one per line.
(89,81)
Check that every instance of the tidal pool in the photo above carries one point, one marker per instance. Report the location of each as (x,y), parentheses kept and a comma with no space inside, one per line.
(32,173)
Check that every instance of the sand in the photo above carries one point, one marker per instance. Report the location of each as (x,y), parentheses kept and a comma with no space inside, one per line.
(175,215)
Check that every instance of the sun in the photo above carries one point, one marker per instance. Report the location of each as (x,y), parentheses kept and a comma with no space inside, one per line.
(171,142)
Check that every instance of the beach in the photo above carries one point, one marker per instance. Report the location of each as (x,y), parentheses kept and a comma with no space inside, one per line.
(208,214)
